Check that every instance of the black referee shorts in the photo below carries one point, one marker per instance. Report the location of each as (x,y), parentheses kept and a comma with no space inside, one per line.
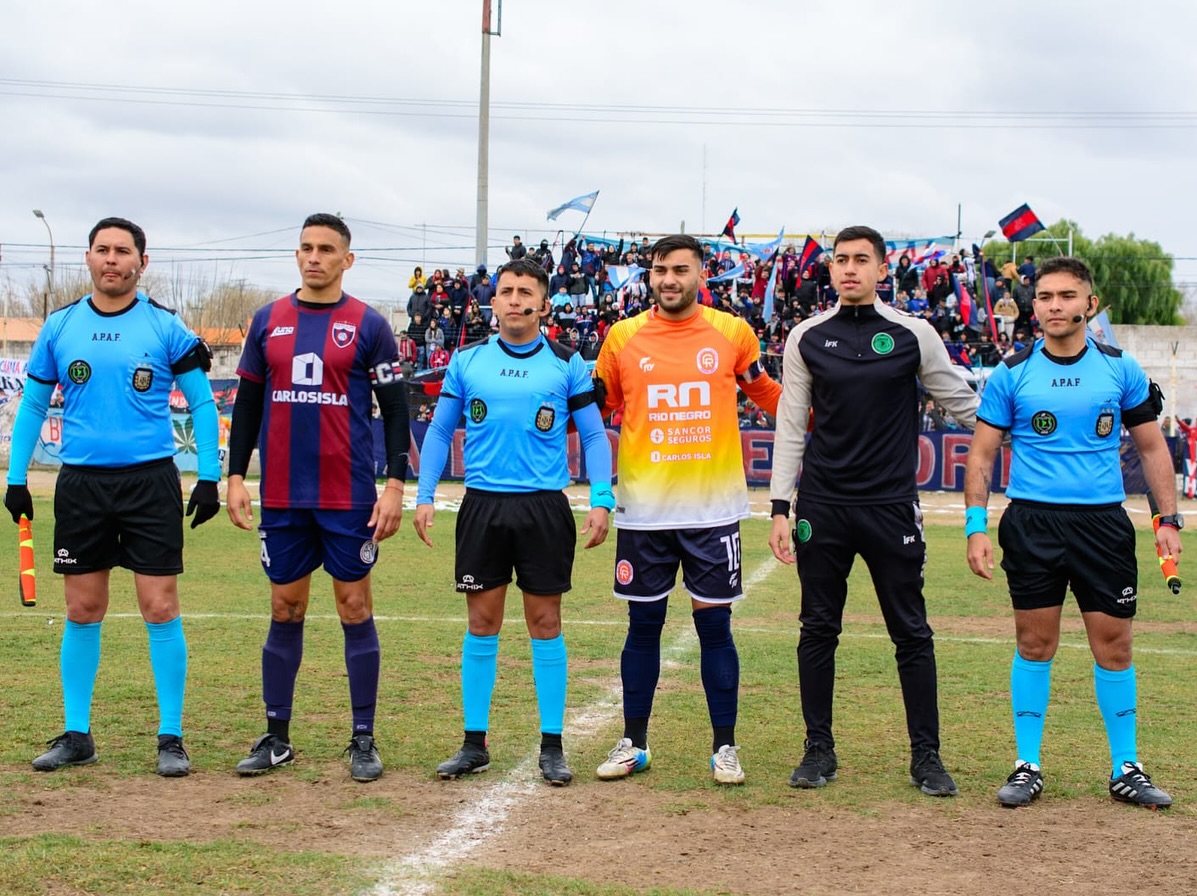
(1047,547)
(123,516)
(533,533)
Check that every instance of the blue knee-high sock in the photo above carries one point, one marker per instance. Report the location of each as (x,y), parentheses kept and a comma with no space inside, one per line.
(479,666)
(362,659)
(1030,690)
(549,667)
(1116,695)
(720,664)
(640,665)
(168,659)
(281,655)
(79,661)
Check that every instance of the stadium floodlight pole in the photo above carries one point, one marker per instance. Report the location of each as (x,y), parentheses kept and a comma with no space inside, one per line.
(481,226)
(38,213)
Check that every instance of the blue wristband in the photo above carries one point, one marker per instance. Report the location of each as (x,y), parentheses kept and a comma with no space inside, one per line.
(602,496)
(975,520)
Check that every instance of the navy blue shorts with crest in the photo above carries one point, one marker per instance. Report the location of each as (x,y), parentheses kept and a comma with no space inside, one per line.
(647,560)
(297,542)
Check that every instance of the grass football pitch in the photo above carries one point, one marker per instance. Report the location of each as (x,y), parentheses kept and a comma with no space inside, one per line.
(421,622)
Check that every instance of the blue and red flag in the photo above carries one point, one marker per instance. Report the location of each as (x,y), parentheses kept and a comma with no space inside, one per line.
(811,250)
(729,229)
(1020,224)
(964,300)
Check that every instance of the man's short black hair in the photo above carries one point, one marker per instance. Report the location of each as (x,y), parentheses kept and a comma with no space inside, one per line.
(121,224)
(524,267)
(861,232)
(1066,264)
(675,242)
(323,219)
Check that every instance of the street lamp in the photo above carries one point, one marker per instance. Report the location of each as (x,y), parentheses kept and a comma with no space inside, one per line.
(38,213)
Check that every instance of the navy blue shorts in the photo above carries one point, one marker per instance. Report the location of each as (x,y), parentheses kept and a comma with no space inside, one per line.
(295,543)
(647,560)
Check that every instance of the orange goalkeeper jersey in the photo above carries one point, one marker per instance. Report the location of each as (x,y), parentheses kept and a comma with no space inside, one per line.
(680,463)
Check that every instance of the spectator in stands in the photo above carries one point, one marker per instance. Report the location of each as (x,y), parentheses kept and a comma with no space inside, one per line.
(517,249)
(416,329)
(986,351)
(931,273)
(419,302)
(483,292)
(906,278)
(478,276)
(409,353)
(459,293)
(438,357)
(940,289)
(590,348)
(434,336)
(543,256)
(1027,268)
(566,317)
(1006,313)
(558,280)
(577,282)
(416,278)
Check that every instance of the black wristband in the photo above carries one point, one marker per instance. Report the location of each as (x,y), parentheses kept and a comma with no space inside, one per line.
(781,508)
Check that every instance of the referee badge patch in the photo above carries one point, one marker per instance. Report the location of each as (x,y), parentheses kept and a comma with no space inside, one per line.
(545,417)
(1043,422)
(1105,423)
(143,378)
(477,410)
(79,372)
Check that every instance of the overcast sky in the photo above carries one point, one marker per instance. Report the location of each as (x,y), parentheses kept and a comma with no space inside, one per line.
(213,125)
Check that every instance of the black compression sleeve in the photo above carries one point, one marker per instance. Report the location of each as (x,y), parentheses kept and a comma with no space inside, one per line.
(247,421)
(396,427)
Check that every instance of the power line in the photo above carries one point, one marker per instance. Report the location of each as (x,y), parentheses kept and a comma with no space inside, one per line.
(599,113)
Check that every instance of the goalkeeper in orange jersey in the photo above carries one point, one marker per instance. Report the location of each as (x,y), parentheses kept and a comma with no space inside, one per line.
(675,370)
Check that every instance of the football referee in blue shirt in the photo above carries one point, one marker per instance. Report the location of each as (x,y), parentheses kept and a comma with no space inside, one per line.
(118,502)
(1064,401)
(518,391)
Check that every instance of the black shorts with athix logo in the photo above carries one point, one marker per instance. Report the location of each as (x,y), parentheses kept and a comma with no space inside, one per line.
(1048,547)
(120,516)
(533,533)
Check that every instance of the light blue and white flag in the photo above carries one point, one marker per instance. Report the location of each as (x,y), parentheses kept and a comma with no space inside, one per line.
(737,271)
(582,203)
(765,251)
(621,275)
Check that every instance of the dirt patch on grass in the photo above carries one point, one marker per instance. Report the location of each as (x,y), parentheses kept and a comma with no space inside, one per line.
(633,834)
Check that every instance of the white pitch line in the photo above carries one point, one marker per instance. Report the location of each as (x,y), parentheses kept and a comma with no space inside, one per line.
(485,816)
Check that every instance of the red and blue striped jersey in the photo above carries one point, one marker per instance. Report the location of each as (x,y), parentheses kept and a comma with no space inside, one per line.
(319,365)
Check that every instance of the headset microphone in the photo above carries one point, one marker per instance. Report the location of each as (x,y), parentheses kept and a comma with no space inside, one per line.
(528,311)
(1078,318)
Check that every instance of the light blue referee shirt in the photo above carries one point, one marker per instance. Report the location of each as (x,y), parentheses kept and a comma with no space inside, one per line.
(1065,420)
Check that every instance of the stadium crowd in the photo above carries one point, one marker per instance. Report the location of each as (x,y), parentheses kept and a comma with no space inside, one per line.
(446,310)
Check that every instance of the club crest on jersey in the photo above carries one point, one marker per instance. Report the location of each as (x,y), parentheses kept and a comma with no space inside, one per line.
(883,343)
(79,372)
(545,417)
(1105,423)
(1044,423)
(624,572)
(342,334)
(707,360)
(143,378)
(477,410)
(368,552)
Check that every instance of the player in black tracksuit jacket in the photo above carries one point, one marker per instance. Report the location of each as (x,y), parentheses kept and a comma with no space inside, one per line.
(857,367)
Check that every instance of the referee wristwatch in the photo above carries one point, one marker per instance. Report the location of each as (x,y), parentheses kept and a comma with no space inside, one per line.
(1175,520)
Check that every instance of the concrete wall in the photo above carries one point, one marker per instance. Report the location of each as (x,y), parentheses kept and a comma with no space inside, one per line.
(1169,356)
